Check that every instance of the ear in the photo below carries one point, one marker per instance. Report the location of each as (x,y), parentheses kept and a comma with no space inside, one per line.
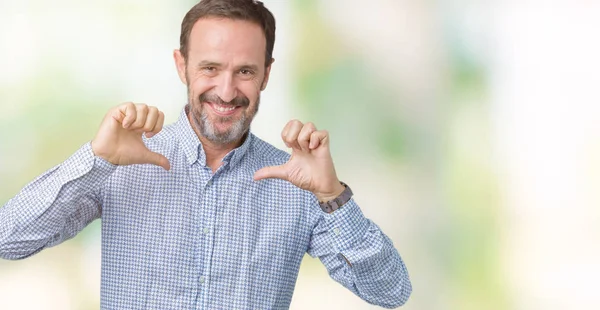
(267,73)
(180,65)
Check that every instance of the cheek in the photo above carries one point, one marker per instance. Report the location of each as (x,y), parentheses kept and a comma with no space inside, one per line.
(251,90)
(198,87)
(198,83)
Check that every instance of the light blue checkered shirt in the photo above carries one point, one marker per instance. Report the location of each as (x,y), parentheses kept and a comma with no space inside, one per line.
(190,239)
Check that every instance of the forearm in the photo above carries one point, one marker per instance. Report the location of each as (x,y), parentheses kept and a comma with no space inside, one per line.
(361,257)
(53,207)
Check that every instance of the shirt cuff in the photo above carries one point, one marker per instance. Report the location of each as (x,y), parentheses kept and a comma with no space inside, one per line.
(84,164)
(347,226)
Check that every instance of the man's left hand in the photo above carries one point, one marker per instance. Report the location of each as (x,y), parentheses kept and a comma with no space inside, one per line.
(310,167)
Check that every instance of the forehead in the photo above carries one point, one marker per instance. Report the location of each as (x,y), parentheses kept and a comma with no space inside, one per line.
(225,39)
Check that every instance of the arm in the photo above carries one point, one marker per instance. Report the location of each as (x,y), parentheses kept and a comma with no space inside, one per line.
(54,207)
(61,202)
(354,250)
(360,256)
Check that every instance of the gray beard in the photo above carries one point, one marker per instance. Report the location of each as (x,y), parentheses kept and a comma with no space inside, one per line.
(209,131)
(235,132)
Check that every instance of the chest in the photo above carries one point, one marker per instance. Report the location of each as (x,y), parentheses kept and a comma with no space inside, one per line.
(169,221)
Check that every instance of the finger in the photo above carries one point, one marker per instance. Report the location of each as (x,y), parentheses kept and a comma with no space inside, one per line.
(118,116)
(151,119)
(291,136)
(156,159)
(285,131)
(159,125)
(277,172)
(128,110)
(304,136)
(320,137)
(141,115)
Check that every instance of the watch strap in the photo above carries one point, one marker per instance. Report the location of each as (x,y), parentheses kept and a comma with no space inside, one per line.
(336,203)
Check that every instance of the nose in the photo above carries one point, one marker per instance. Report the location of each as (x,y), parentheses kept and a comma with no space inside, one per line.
(226,88)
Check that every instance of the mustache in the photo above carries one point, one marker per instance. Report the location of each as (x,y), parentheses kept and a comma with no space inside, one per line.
(240,101)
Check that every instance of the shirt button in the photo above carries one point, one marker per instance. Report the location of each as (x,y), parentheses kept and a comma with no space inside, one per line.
(202,279)
(209,183)
(336,231)
(206,230)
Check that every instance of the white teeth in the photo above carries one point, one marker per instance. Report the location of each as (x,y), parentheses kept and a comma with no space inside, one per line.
(222,108)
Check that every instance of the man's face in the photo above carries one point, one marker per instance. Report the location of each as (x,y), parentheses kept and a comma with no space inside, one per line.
(224,74)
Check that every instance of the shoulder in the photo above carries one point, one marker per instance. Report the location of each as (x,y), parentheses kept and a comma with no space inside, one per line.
(265,154)
(163,142)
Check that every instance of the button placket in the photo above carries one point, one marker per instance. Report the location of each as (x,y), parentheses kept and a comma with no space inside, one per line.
(336,231)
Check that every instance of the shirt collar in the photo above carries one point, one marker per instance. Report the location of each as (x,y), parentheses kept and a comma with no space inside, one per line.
(192,147)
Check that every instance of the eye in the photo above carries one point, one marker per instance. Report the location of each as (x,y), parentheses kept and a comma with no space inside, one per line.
(246,72)
(208,69)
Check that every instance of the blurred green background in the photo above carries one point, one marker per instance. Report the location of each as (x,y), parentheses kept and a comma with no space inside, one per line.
(469,131)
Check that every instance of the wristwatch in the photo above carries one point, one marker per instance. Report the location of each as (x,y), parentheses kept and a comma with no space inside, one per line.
(336,203)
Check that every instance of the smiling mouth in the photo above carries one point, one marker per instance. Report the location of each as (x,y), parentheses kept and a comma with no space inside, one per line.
(222,109)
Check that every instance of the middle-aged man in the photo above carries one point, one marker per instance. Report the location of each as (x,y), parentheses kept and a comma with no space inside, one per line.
(202,214)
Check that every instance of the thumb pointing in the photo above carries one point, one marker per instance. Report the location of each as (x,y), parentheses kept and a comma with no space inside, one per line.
(277,172)
(157,159)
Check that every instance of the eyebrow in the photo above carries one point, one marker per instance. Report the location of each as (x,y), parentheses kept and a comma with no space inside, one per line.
(249,66)
(209,63)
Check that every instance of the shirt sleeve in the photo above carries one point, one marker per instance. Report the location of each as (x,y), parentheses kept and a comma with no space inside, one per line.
(360,256)
(55,206)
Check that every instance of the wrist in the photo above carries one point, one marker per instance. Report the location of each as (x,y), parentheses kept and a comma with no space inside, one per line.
(98,153)
(338,201)
(332,194)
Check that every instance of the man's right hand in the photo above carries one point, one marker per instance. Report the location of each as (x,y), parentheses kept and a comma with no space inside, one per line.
(119,139)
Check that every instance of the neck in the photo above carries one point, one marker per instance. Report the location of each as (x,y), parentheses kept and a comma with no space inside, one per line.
(215,152)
